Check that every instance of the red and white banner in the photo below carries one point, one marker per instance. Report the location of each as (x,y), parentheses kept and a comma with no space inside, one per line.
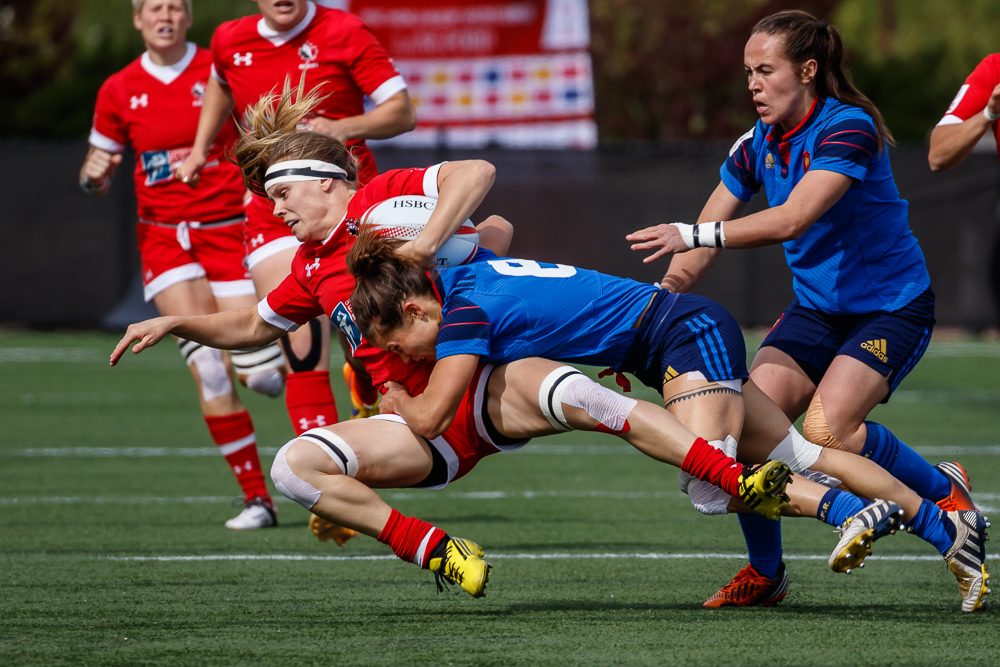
(513,73)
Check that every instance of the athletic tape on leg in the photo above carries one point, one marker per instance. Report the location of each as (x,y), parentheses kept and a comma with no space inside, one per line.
(269,383)
(796,451)
(336,447)
(289,484)
(548,400)
(257,359)
(212,372)
(568,386)
(187,348)
(815,429)
(708,498)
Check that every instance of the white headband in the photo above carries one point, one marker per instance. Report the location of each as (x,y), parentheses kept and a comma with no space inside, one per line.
(301,170)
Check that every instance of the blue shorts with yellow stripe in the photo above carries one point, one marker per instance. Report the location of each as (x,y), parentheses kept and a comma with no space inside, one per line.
(686,333)
(891,343)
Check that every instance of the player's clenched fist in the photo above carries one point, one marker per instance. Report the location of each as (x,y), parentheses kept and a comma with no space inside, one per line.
(148,333)
(190,171)
(95,176)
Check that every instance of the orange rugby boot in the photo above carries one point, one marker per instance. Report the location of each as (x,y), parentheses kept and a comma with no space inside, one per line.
(359,409)
(960,497)
(750,589)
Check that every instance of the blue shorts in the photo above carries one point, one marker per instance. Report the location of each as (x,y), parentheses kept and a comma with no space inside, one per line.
(684,333)
(891,343)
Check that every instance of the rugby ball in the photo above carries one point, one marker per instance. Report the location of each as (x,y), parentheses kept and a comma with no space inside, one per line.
(405,217)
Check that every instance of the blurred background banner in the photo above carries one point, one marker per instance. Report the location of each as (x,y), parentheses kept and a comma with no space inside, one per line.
(513,73)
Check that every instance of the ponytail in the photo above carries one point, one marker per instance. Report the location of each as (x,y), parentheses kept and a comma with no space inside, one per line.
(269,134)
(385,280)
(807,38)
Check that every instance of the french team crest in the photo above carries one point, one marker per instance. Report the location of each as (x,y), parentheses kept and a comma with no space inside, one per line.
(806,161)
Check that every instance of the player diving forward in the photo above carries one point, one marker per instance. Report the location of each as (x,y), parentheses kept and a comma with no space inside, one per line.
(335,53)
(863,309)
(190,241)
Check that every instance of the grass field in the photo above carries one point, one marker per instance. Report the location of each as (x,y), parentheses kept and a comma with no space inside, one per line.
(113,552)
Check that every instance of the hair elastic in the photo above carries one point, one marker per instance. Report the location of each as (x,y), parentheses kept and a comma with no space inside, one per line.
(301,170)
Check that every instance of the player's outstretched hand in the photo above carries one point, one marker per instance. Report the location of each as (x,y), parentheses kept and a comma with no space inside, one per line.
(666,239)
(148,333)
(190,171)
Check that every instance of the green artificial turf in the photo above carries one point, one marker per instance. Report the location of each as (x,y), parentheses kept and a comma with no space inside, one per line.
(100,467)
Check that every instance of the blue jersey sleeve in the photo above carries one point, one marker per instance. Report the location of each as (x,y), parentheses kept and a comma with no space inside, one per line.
(739,172)
(465,329)
(846,147)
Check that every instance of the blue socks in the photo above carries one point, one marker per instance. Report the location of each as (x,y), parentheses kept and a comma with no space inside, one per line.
(885,449)
(929,523)
(837,506)
(763,538)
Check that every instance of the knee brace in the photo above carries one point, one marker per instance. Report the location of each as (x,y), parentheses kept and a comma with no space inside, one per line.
(814,426)
(308,363)
(292,486)
(212,371)
(261,368)
(796,451)
(568,386)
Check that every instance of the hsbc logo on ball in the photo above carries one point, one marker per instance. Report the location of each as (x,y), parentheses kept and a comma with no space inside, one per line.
(414,203)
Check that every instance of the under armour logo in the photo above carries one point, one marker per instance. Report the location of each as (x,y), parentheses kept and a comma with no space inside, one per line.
(245,60)
(312,267)
(139,101)
(257,240)
(304,423)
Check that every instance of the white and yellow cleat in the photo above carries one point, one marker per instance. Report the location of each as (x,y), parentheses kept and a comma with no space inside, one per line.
(359,409)
(327,530)
(462,564)
(859,532)
(967,557)
(762,488)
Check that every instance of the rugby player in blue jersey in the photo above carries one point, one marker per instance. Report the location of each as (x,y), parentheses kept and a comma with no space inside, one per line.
(502,310)
(863,309)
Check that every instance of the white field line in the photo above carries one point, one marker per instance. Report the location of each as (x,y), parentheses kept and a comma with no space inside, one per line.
(493,556)
(548,450)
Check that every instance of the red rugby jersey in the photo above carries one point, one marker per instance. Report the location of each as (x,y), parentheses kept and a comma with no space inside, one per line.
(321,284)
(975,94)
(335,50)
(156,110)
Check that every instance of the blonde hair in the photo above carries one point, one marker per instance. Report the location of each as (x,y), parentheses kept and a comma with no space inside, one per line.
(137,6)
(268,134)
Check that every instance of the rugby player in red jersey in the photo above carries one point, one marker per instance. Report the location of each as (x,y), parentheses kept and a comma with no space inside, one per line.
(190,241)
(334,52)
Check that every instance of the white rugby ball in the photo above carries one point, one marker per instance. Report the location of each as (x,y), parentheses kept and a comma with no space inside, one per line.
(405,217)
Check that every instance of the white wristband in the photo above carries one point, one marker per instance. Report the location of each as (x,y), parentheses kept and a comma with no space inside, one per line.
(704,235)
(990,116)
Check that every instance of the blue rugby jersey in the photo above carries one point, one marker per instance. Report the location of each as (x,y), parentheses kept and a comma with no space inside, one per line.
(860,256)
(508,309)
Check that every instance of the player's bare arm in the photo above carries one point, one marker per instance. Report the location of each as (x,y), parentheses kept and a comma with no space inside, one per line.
(393,117)
(951,143)
(98,168)
(432,412)
(228,330)
(462,186)
(216,107)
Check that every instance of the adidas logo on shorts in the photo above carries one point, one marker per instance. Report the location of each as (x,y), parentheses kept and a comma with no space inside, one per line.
(878,348)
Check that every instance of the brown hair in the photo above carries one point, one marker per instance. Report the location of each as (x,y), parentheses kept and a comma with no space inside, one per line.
(808,38)
(385,280)
(268,135)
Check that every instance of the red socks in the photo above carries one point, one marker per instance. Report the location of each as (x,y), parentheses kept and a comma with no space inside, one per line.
(309,399)
(235,437)
(709,464)
(411,539)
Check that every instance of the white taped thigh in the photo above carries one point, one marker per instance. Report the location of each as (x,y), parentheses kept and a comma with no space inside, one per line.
(821,478)
(212,372)
(336,447)
(708,498)
(796,451)
(289,484)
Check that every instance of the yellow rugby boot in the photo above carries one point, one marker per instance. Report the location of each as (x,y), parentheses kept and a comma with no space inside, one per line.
(462,564)
(762,488)
(359,409)
(326,530)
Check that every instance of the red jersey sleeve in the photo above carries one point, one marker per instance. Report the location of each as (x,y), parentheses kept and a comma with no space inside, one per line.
(395,183)
(289,305)
(218,68)
(975,93)
(110,132)
(369,63)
